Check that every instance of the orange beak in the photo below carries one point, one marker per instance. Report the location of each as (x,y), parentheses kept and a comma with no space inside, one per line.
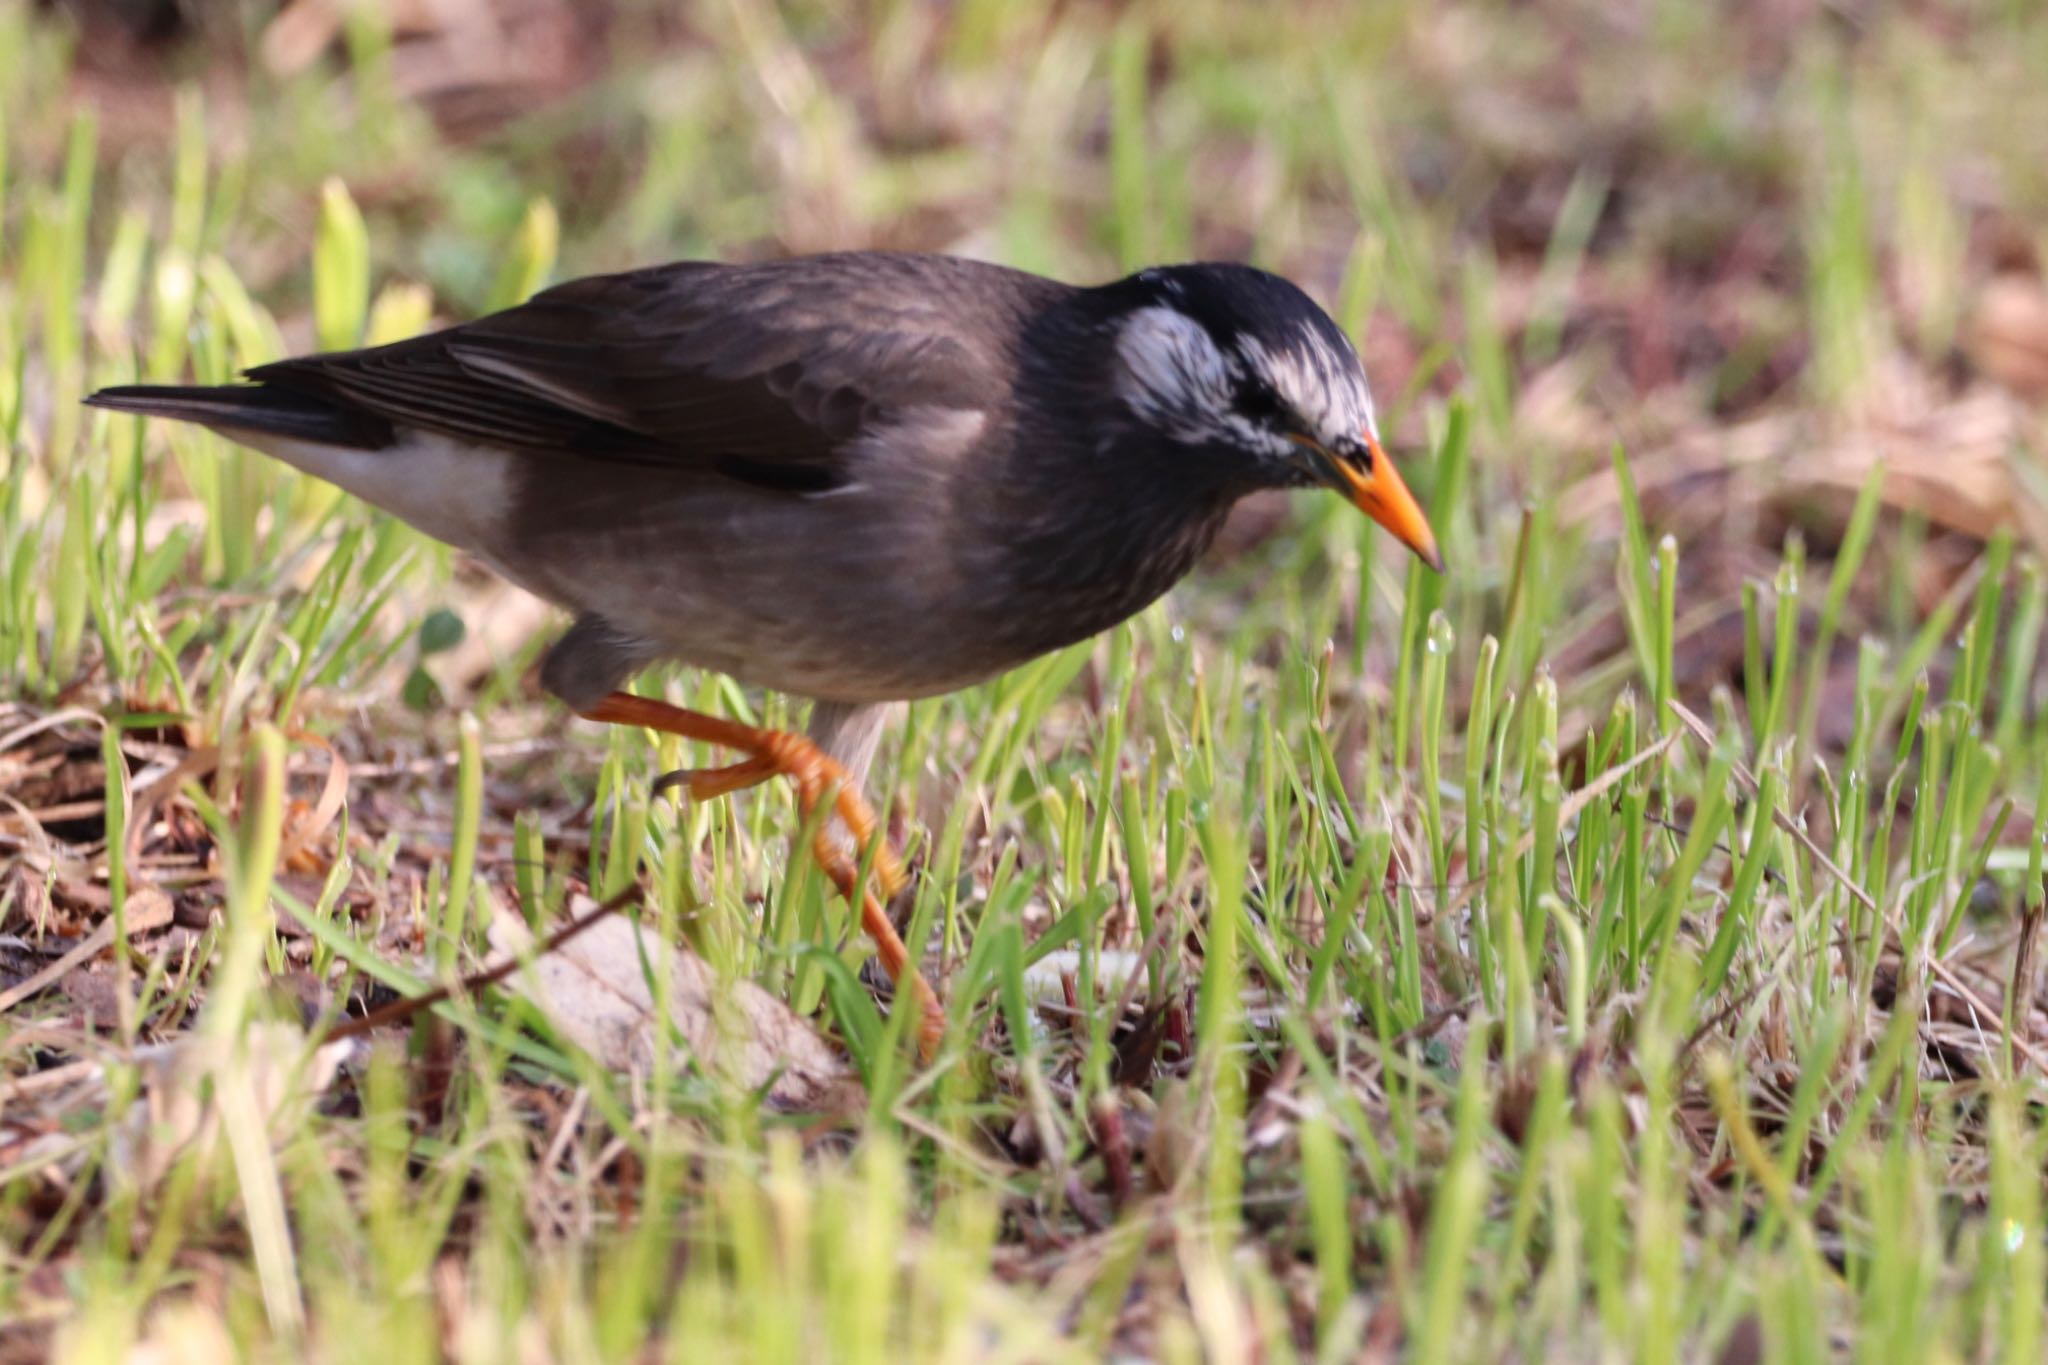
(1379,493)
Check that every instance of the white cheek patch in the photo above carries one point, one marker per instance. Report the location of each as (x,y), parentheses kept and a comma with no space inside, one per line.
(1172,374)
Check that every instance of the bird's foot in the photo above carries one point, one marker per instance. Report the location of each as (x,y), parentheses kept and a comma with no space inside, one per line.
(817,776)
(708,784)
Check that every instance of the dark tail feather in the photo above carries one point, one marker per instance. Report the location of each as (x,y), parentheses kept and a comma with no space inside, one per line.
(254,408)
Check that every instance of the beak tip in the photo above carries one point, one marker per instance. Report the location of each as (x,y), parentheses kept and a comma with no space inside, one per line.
(1382,496)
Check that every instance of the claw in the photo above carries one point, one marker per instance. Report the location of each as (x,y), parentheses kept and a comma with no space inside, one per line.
(708,784)
(772,752)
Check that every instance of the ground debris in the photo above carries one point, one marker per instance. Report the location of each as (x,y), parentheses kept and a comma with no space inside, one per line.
(598,989)
(177,1111)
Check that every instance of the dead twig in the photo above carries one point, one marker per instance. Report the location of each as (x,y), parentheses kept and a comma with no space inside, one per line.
(398,1011)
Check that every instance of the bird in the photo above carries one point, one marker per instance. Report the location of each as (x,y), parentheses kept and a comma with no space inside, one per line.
(857,478)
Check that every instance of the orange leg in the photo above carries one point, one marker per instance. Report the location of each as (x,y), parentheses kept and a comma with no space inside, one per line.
(772,752)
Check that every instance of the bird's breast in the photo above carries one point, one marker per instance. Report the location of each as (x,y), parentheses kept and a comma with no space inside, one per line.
(1083,563)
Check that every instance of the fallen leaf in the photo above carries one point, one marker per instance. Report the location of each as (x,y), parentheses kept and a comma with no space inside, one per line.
(2008,333)
(1045,980)
(597,989)
(177,1112)
(501,620)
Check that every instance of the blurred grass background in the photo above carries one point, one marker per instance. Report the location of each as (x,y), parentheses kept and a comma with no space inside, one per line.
(1470,1005)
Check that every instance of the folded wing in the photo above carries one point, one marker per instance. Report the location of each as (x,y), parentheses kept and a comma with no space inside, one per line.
(770,369)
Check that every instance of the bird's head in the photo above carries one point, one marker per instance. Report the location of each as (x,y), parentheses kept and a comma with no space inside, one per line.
(1230,358)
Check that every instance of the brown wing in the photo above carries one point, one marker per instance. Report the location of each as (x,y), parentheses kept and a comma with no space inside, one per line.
(773,367)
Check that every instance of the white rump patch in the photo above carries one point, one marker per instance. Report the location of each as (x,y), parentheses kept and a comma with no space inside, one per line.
(451,490)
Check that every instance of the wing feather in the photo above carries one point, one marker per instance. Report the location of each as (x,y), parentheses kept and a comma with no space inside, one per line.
(757,366)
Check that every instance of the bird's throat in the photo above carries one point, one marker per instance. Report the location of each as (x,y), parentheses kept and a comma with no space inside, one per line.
(1104,560)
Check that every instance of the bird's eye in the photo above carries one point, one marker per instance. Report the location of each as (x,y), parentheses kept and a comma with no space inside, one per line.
(1258,402)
